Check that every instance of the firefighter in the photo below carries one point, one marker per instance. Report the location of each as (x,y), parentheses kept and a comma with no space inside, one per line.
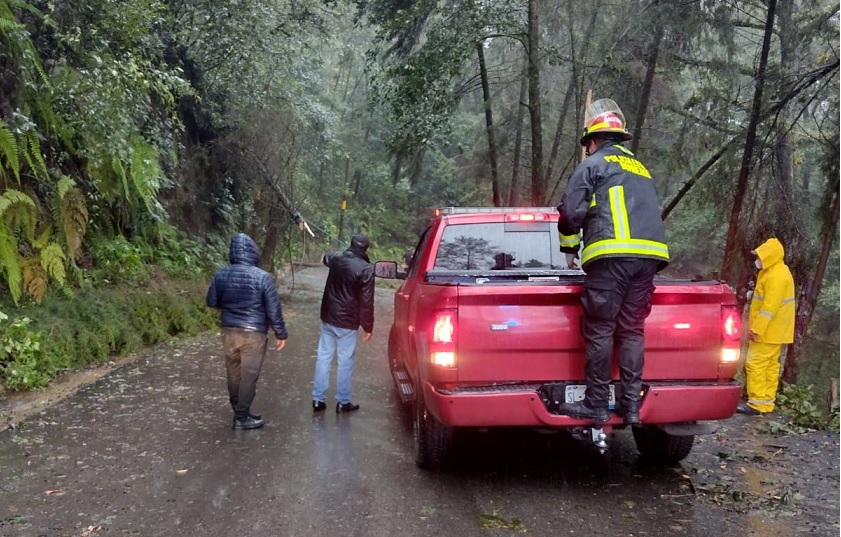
(770,324)
(611,198)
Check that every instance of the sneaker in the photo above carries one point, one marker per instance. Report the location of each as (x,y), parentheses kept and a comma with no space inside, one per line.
(248,423)
(582,410)
(747,410)
(346,407)
(318,406)
(257,417)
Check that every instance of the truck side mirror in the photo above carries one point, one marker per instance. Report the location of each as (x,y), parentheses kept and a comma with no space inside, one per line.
(385,269)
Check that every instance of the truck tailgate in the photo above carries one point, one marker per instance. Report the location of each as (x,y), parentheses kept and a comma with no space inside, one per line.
(528,333)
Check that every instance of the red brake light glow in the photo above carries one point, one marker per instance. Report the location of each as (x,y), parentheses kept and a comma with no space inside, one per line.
(442,347)
(444,329)
(731,331)
(730,324)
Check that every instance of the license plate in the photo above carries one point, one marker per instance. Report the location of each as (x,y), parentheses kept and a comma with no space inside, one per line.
(575,392)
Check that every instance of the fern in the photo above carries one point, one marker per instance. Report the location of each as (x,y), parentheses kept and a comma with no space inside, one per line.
(9,149)
(9,262)
(52,259)
(145,172)
(64,185)
(120,171)
(34,279)
(73,218)
(43,239)
(19,212)
(34,155)
(12,197)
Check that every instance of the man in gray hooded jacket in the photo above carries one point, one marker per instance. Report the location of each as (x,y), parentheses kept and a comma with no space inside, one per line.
(250,305)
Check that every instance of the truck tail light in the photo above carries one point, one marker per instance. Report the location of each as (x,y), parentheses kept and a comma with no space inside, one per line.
(442,347)
(731,334)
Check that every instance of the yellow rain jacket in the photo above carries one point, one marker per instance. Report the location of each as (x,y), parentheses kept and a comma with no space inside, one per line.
(772,304)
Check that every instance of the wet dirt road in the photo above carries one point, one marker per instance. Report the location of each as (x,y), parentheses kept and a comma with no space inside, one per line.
(148,450)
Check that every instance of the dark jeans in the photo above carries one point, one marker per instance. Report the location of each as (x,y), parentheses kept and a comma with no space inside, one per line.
(616,301)
(244,353)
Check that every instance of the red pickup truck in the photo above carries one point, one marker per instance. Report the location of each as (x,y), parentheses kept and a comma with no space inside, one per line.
(487,333)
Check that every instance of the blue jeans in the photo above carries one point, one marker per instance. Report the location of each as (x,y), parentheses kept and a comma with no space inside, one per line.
(340,342)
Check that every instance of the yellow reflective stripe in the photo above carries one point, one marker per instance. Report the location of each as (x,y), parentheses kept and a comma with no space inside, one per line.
(593,201)
(766,314)
(623,149)
(629,164)
(602,125)
(568,241)
(757,297)
(640,247)
(761,401)
(619,212)
(786,301)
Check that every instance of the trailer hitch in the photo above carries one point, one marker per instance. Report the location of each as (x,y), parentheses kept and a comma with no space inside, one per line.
(599,438)
(596,435)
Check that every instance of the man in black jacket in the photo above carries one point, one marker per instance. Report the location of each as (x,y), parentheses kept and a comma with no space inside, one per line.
(347,304)
(250,305)
(611,197)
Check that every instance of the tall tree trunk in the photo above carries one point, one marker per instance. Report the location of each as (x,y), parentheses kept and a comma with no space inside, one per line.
(270,241)
(809,296)
(734,237)
(514,198)
(782,199)
(538,181)
(489,124)
(645,96)
(570,91)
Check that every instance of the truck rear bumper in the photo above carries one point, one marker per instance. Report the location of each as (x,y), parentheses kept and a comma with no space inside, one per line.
(663,403)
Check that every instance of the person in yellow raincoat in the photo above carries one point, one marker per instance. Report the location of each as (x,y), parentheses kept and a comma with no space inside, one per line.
(771,326)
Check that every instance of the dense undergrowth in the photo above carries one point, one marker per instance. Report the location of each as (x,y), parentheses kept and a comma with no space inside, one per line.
(95,325)
(134,294)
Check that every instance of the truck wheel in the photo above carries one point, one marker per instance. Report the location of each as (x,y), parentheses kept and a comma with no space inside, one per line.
(433,439)
(656,445)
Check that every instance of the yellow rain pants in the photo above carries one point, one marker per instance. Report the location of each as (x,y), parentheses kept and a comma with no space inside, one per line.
(762,368)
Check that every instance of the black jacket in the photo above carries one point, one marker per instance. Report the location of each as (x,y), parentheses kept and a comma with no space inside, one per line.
(246,293)
(612,197)
(348,300)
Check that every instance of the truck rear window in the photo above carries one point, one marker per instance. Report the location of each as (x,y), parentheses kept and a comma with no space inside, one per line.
(500,246)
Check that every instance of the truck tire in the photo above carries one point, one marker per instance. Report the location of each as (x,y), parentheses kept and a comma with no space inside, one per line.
(656,445)
(433,439)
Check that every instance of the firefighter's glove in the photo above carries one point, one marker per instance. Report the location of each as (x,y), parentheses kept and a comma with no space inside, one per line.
(571,260)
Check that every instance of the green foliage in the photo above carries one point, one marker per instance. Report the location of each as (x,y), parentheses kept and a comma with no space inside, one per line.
(96,325)
(20,355)
(72,215)
(8,151)
(145,173)
(117,261)
(17,217)
(797,404)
